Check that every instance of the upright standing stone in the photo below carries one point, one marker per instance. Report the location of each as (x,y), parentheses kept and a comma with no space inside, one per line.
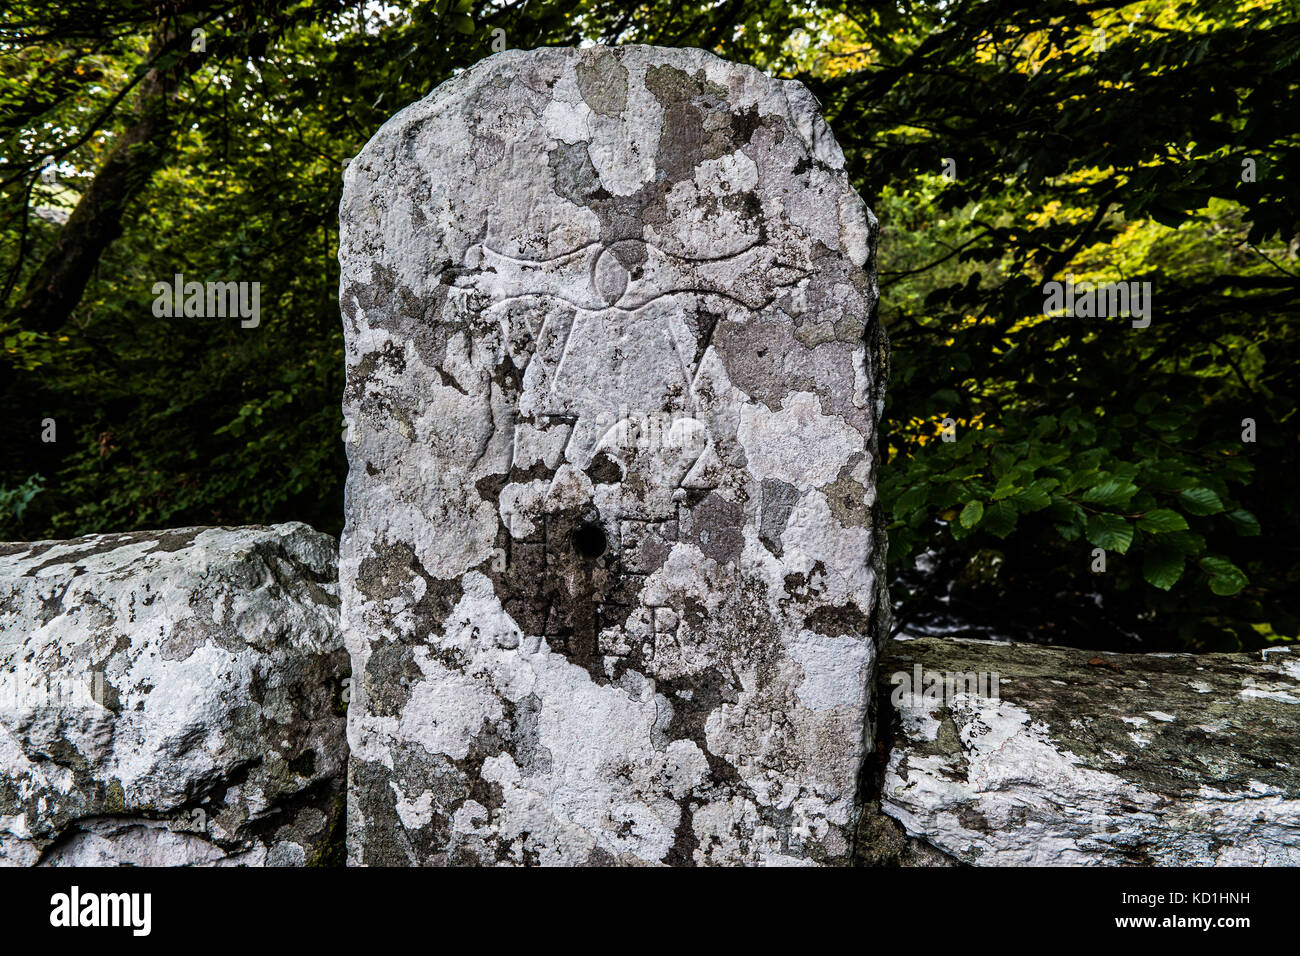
(611,576)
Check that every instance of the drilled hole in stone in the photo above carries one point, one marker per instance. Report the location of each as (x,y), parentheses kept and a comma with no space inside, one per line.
(589,540)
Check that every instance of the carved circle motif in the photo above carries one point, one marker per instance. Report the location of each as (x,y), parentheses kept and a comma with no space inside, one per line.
(609,277)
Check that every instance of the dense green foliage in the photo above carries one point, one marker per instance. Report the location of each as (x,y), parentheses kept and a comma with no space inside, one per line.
(1004,144)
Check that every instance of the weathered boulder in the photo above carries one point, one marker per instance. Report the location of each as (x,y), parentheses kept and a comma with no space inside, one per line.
(612,574)
(1077,758)
(172,698)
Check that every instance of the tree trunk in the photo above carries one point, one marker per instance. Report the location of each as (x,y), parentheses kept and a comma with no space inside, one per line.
(57,285)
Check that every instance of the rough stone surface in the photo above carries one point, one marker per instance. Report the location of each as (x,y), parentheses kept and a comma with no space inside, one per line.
(611,577)
(172,698)
(1096,759)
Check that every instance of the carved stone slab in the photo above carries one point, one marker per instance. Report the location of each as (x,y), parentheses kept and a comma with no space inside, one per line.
(611,581)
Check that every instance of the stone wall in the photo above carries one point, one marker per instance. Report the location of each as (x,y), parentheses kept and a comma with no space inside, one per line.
(172,698)
(177,698)
(1090,759)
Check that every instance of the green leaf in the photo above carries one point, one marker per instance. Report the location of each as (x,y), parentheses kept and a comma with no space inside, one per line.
(1008,485)
(1166,421)
(1162,567)
(1033,498)
(1163,476)
(1201,501)
(910,500)
(1000,518)
(1162,521)
(1147,401)
(1245,522)
(1186,542)
(1072,519)
(1225,577)
(1110,532)
(1110,491)
(971,514)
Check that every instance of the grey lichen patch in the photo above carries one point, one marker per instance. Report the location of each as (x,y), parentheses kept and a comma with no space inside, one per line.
(1087,758)
(574,175)
(390,673)
(778,501)
(168,698)
(671,85)
(848,496)
(610,346)
(882,842)
(114,797)
(602,80)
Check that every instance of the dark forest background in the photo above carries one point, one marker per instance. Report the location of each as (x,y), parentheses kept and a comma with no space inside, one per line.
(1003,144)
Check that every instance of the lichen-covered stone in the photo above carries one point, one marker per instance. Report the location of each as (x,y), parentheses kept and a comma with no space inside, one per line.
(611,574)
(170,698)
(1095,759)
